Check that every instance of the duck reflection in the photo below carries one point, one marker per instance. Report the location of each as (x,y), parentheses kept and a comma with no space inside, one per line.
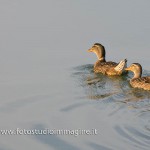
(100,87)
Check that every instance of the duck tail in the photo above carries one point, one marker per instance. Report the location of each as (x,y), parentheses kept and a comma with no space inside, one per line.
(121,66)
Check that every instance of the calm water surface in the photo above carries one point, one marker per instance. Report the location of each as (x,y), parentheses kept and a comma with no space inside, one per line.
(47,79)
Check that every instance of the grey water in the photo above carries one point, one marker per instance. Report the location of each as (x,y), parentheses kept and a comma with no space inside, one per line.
(47,79)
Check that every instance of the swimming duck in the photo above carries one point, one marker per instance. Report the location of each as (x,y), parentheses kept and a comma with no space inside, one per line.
(137,81)
(108,68)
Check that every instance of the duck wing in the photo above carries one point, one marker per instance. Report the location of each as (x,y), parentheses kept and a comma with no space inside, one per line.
(145,79)
(104,66)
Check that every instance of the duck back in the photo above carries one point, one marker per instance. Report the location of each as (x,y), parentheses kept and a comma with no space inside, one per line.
(103,67)
(143,82)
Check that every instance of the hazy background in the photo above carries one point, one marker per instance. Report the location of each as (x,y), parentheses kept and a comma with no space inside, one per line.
(62,28)
(41,40)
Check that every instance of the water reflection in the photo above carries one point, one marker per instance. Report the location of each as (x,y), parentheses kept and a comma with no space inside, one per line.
(53,141)
(129,107)
(98,86)
(98,147)
(73,106)
(20,103)
(133,136)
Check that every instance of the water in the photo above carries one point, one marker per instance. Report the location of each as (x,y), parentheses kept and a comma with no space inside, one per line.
(47,79)
(124,110)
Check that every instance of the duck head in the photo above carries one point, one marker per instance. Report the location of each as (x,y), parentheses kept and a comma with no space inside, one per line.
(99,50)
(136,68)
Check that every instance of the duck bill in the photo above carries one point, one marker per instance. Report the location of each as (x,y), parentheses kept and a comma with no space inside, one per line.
(127,68)
(89,50)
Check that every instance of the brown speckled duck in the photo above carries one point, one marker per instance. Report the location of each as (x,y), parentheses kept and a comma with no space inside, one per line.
(137,81)
(106,67)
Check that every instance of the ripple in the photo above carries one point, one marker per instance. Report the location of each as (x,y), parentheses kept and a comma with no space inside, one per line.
(98,147)
(128,107)
(133,136)
(53,142)
(99,86)
(19,103)
(73,106)
(147,126)
(84,67)
(145,137)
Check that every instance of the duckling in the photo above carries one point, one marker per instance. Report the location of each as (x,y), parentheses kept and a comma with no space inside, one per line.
(102,66)
(137,81)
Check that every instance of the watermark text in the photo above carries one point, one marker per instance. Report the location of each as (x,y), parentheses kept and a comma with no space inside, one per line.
(74,132)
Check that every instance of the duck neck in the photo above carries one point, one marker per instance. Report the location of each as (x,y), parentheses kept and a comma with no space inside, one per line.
(137,74)
(100,56)
(102,59)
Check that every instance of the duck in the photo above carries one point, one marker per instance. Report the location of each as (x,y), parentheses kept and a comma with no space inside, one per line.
(137,81)
(106,67)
